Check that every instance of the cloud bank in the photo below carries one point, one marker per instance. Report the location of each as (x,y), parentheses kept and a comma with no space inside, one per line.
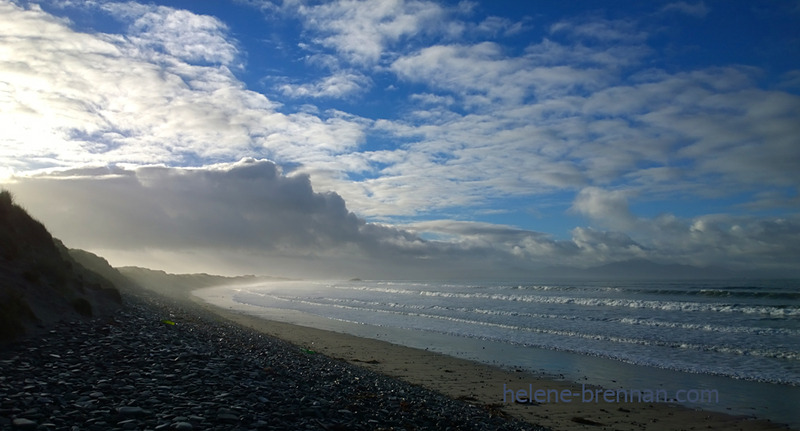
(416,133)
(251,211)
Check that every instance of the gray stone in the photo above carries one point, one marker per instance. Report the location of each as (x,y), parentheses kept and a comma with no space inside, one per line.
(130,411)
(227,418)
(128,424)
(260,424)
(22,423)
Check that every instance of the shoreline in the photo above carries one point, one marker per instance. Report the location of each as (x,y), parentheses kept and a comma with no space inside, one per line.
(484,384)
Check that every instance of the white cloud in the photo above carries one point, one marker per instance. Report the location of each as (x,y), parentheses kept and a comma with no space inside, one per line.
(339,85)
(667,133)
(432,99)
(599,29)
(482,75)
(360,30)
(745,135)
(733,241)
(549,53)
(712,239)
(697,10)
(244,205)
(606,246)
(179,33)
(742,242)
(610,207)
(71,98)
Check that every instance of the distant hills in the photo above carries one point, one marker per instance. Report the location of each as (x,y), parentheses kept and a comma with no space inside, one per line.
(42,282)
(176,286)
(646,269)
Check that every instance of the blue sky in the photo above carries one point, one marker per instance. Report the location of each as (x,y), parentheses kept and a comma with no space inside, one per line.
(374,137)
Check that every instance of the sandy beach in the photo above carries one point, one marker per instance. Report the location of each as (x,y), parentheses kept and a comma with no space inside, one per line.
(486,385)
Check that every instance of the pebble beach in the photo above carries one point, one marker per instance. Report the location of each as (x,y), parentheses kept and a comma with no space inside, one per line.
(162,366)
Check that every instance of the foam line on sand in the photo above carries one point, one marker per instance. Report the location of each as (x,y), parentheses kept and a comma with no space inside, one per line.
(483,384)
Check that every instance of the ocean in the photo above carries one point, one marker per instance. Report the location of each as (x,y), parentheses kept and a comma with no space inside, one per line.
(740,338)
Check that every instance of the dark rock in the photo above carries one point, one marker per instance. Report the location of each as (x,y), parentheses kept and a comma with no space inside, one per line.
(131,411)
(227,418)
(128,424)
(22,423)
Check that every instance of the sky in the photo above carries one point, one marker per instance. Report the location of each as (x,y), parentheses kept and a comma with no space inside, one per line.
(406,139)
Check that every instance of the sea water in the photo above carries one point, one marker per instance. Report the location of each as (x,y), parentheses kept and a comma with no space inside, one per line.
(740,338)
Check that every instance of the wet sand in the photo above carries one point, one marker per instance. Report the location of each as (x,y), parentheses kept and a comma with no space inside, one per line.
(483,384)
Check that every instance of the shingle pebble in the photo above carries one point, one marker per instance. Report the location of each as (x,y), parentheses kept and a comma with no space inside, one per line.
(133,371)
(22,423)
